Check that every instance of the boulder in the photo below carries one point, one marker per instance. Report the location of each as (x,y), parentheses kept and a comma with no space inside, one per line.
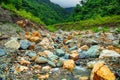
(101,72)
(68,64)
(25,44)
(12,44)
(93,51)
(59,52)
(108,53)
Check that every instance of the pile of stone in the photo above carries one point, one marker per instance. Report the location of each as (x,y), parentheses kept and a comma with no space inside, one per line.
(41,52)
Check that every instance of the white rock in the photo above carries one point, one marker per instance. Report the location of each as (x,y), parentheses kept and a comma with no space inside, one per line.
(109,53)
(12,44)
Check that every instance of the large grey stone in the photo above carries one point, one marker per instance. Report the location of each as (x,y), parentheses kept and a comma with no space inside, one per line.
(93,51)
(59,52)
(24,44)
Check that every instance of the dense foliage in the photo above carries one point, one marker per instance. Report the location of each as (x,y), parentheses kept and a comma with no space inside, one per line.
(48,12)
(95,8)
(44,11)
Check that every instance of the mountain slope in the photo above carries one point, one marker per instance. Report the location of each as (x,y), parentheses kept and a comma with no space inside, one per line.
(45,10)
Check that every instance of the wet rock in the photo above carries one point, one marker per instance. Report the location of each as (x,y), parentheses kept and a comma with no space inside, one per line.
(59,52)
(2,52)
(25,44)
(12,44)
(51,63)
(101,72)
(41,60)
(46,68)
(108,53)
(68,64)
(74,55)
(93,51)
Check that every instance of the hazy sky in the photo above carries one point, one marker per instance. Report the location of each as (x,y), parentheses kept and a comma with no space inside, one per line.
(66,3)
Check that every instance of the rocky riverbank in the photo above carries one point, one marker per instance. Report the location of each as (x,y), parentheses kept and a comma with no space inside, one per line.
(62,55)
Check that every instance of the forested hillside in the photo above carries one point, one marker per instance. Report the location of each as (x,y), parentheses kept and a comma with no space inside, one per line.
(95,8)
(45,10)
